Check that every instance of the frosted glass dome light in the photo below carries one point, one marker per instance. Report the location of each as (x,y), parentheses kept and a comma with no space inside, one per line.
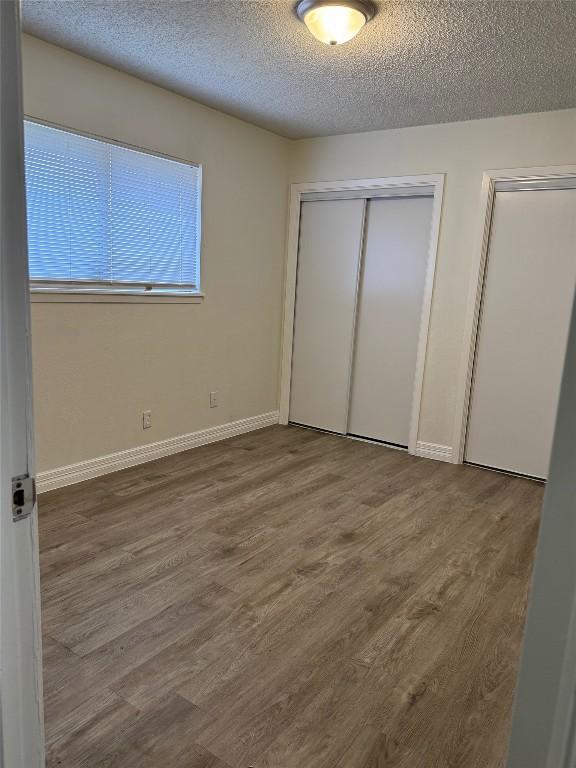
(334,21)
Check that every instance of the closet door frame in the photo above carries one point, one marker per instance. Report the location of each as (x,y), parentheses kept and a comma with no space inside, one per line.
(362,187)
(547,174)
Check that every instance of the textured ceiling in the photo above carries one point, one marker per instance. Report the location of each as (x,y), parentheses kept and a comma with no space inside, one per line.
(415,63)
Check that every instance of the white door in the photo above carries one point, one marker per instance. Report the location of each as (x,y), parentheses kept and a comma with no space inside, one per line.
(328,258)
(21,731)
(525,315)
(544,724)
(391,292)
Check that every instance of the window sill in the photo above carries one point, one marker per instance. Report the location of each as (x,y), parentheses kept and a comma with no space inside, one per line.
(70,297)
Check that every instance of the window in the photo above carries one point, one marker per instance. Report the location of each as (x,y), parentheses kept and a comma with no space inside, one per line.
(103,218)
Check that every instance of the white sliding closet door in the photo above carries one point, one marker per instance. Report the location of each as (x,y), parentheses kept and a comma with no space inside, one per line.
(527,298)
(329,253)
(390,306)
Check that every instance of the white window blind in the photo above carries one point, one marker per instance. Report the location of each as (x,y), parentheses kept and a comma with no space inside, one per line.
(103,217)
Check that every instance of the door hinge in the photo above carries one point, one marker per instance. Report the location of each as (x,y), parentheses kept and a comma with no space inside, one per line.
(23,496)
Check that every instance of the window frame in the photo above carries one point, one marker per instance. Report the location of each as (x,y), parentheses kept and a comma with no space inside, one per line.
(84,291)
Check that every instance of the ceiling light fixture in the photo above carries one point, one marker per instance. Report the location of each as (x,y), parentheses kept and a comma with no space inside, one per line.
(335,21)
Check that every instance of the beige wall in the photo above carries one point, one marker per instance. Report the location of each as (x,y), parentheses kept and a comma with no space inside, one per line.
(462,151)
(98,366)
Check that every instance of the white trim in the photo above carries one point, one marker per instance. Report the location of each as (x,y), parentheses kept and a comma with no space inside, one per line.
(426,313)
(489,180)
(434,451)
(55,297)
(360,185)
(21,699)
(103,465)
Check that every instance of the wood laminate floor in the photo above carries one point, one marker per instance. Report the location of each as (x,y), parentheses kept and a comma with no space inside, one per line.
(285,599)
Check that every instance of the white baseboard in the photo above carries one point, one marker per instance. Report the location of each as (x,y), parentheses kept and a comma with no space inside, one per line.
(102,465)
(434,451)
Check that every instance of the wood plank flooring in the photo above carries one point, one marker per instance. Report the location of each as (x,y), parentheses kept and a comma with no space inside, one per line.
(285,599)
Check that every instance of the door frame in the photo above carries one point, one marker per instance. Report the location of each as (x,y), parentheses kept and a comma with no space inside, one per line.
(21,700)
(476,286)
(361,186)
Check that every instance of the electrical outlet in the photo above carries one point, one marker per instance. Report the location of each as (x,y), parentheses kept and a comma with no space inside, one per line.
(146,419)
(214,399)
